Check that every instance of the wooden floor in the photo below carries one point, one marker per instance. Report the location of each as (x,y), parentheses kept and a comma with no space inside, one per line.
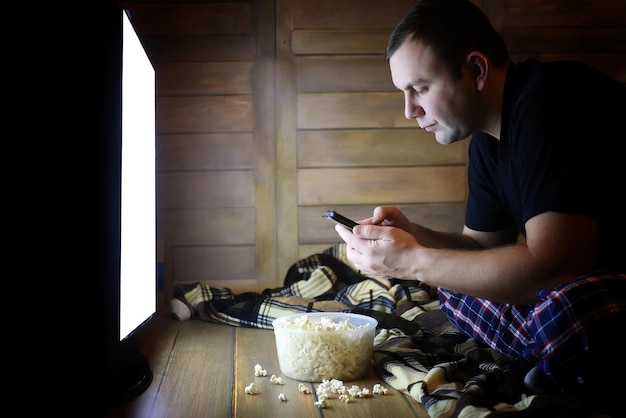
(201,369)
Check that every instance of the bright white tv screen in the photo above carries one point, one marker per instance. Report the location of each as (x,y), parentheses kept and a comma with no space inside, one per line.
(138,204)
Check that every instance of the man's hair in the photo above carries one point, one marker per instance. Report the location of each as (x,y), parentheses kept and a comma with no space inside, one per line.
(451,29)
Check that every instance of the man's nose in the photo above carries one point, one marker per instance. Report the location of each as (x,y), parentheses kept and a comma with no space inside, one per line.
(412,110)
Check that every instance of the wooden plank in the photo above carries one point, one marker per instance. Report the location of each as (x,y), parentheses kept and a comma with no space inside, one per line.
(205,151)
(205,263)
(375,148)
(217,226)
(199,78)
(176,48)
(352,110)
(208,189)
(349,14)
(191,114)
(381,185)
(198,377)
(265,141)
(309,42)
(344,73)
(286,128)
(189,18)
(312,229)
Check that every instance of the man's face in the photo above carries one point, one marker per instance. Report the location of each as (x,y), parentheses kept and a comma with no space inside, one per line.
(438,102)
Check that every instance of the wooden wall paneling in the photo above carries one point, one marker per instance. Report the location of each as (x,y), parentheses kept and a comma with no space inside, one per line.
(232,113)
(286,169)
(352,110)
(354,73)
(210,226)
(222,188)
(386,185)
(374,148)
(174,18)
(311,42)
(205,55)
(200,49)
(213,263)
(206,151)
(266,266)
(215,78)
(349,14)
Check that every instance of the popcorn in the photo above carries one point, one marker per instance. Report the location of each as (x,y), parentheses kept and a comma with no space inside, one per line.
(302,388)
(251,389)
(320,404)
(312,348)
(327,389)
(259,371)
(378,389)
(276,380)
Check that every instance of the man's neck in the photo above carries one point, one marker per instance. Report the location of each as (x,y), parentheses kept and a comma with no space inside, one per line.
(494,98)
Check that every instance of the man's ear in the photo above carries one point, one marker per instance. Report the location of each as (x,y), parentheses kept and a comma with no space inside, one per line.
(478,64)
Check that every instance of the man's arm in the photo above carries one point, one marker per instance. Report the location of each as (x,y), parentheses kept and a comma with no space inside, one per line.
(558,248)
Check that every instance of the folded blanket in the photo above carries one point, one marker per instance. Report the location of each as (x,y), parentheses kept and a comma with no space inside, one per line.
(417,350)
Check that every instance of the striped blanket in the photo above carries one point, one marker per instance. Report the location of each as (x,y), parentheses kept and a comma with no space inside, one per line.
(416,351)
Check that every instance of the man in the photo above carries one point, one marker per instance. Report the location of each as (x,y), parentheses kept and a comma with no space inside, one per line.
(544,163)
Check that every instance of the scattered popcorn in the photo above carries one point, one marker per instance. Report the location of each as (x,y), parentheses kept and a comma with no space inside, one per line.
(302,388)
(259,371)
(251,389)
(330,387)
(334,388)
(276,380)
(327,389)
(320,404)
(364,393)
(354,391)
(378,389)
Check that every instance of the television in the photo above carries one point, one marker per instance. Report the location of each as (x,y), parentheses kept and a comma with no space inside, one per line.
(130,279)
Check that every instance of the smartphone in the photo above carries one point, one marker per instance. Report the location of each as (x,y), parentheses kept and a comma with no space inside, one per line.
(335,217)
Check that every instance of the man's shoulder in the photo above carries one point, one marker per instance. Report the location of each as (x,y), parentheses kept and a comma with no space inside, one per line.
(550,86)
(563,72)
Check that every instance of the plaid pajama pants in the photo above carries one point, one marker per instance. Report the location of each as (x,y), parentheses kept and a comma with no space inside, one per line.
(569,335)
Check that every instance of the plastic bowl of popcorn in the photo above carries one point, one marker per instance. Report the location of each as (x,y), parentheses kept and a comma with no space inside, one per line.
(316,346)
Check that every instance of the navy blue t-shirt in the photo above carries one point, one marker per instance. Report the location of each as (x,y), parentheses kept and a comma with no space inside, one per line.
(563,126)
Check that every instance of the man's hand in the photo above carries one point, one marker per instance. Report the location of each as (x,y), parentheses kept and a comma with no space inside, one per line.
(379,250)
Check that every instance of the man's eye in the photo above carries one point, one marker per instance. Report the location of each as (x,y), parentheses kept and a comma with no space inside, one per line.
(420,90)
